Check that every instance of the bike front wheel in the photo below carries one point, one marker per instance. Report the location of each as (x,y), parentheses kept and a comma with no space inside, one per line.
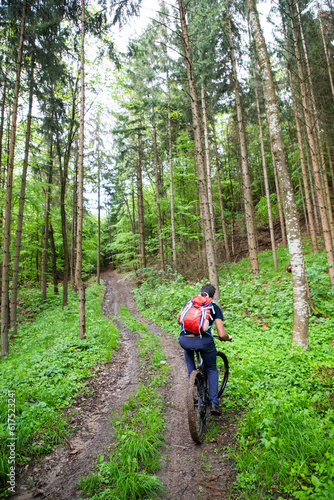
(196,406)
(222,366)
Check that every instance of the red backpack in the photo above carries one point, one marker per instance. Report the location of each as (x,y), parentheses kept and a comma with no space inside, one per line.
(196,313)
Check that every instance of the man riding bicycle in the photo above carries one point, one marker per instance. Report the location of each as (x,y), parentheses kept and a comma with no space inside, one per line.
(203,342)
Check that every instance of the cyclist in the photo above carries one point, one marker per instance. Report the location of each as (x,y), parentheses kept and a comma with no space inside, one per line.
(205,344)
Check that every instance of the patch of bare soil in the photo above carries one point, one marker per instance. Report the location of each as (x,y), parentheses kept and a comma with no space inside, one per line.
(188,471)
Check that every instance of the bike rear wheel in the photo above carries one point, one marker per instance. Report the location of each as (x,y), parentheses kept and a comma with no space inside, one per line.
(222,366)
(196,406)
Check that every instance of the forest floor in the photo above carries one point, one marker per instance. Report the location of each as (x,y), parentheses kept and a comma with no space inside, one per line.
(188,471)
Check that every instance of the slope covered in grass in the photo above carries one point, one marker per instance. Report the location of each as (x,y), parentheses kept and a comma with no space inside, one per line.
(46,369)
(285,442)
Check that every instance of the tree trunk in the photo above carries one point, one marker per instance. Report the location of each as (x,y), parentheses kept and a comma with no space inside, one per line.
(303,165)
(247,186)
(63,171)
(322,163)
(326,51)
(45,239)
(53,260)
(315,206)
(157,195)
(221,203)
(265,174)
(330,160)
(141,225)
(209,243)
(232,193)
(315,164)
(8,202)
(300,318)
(299,181)
(98,221)
(37,258)
(207,160)
(16,265)
(171,189)
(2,171)
(74,226)
(78,267)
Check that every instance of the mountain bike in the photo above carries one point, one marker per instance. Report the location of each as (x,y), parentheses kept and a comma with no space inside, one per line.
(197,394)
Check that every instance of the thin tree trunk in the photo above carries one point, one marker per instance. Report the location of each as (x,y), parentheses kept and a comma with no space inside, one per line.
(247,186)
(221,203)
(172,215)
(53,260)
(133,205)
(37,258)
(141,226)
(299,181)
(315,205)
(315,163)
(300,318)
(63,171)
(8,202)
(16,264)
(330,160)
(207,160)
(74,226)
(232,193)
(2,124)
(45,240)
(157,195)
(78,267)
(98,221)
(125,199)
(303,165)
(326,51)
(278,192)
(2,171)
(322,163)
(209,243)
(265,174)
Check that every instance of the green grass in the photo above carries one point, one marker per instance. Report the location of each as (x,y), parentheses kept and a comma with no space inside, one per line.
(127,473)
(47,368)
(285,440)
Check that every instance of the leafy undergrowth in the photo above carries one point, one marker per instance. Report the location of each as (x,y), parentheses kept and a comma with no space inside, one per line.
(46,369)
(127,474)
(285,442)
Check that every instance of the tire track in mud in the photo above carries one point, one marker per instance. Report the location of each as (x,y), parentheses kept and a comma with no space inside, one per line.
(188,471)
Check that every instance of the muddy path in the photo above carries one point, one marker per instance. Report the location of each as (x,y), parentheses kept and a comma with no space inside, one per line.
(188,471)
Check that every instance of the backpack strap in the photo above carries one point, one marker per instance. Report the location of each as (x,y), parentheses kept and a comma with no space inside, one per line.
(204,307)
(184,311)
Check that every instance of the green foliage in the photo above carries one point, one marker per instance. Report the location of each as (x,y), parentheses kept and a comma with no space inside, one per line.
(285,439)
(262,208)
(47,367)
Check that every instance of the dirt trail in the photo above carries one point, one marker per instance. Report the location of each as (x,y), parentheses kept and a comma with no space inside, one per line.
(188,471)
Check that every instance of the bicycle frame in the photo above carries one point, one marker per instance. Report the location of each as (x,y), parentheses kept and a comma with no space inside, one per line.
(197,395)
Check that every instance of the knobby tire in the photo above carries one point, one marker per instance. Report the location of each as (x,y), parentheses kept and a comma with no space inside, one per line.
(222,367)
(196,406)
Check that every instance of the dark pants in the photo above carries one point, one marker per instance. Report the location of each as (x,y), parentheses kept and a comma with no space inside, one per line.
(207,348)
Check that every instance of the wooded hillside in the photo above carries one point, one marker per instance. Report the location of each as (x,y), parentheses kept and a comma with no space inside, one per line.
(212,134)
(208,141)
